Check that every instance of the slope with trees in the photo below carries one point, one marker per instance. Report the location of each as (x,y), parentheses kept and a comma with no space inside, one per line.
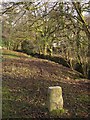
(49,28)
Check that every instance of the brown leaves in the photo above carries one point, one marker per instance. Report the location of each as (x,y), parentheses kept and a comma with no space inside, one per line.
(27,81)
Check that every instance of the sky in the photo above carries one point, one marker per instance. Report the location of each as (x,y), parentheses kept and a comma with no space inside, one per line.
(44,0)
(84,1)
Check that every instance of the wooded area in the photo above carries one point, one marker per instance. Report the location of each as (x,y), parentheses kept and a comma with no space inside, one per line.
(45,57)
(49,28)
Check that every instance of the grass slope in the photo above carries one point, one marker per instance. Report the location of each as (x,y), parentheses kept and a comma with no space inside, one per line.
(25,82)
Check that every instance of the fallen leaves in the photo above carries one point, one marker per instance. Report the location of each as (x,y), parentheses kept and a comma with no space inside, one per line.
(25,84)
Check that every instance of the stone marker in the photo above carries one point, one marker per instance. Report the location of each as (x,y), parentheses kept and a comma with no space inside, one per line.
(54,98)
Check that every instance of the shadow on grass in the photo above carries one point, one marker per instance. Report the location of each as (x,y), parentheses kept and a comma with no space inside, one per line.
(26,98)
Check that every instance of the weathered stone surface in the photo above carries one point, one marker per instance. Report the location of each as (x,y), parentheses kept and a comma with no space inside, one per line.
(54,98)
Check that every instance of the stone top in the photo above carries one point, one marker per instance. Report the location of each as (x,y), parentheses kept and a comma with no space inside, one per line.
(55,87)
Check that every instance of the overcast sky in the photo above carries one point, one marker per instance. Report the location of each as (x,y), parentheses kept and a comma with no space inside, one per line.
(84,1)
(44,0)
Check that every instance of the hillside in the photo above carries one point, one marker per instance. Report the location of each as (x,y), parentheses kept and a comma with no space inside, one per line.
(25,81)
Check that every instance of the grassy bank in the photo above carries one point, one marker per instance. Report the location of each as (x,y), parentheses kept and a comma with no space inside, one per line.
(25,82)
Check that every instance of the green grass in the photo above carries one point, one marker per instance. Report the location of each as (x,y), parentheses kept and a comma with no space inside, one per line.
(10,104)
(84,98)
(13,54)
(6,97)
(57,112)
